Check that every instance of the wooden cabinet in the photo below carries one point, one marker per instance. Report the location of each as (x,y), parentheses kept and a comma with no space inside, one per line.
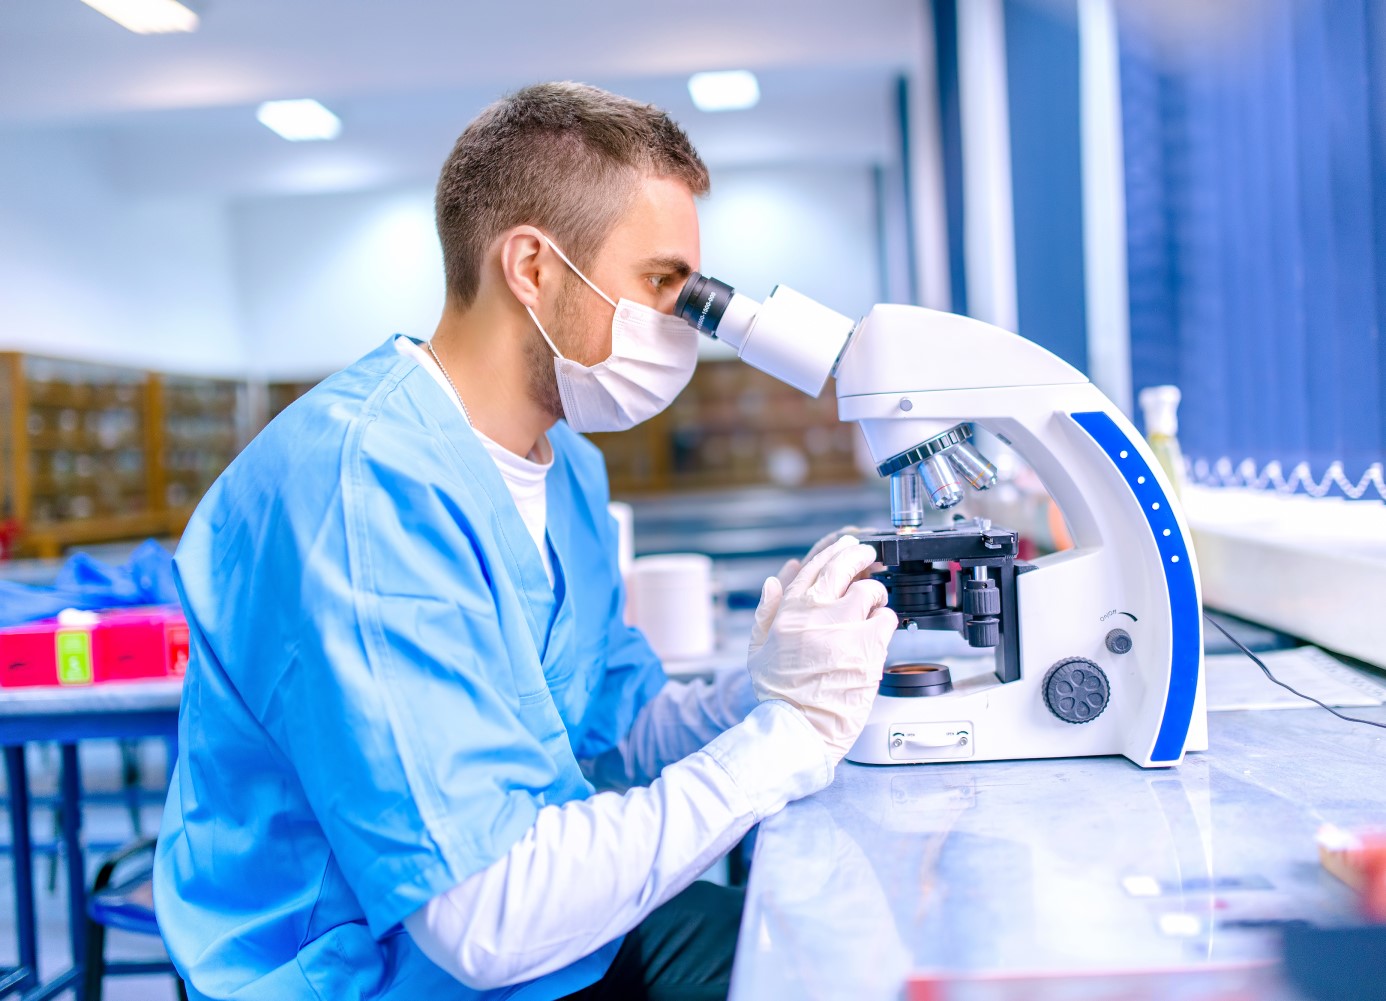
(281,394)
(204,424)
(733,426)
(94,453)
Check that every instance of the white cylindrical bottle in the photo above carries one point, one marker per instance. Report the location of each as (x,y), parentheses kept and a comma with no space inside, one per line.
(1160,407)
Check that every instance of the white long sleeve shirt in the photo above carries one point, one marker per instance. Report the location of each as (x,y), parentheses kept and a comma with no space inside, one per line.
(592,869)
(706,763)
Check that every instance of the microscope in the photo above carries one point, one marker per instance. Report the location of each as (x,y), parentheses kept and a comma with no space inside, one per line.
(1095,650)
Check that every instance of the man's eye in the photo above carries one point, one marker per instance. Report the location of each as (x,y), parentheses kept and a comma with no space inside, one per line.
(657,282)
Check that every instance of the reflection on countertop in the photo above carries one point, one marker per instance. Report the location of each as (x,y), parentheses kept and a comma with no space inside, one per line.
(972,875)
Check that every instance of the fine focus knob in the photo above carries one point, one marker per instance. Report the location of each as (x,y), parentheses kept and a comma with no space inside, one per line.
(1076,690)
(983,632)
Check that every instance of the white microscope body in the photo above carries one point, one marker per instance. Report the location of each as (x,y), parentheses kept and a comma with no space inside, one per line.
(912,373)
(1101,646)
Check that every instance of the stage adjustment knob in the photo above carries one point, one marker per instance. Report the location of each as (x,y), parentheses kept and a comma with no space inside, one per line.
(1076,690)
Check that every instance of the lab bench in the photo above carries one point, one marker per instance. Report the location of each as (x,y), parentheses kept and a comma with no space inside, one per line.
(67,716)
(1066,878)
(990,879)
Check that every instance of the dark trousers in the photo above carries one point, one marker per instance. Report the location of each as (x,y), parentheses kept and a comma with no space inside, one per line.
(682,952)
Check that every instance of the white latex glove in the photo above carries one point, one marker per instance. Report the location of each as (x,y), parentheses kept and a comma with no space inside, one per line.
(792,567)
(832,537)
(820,643)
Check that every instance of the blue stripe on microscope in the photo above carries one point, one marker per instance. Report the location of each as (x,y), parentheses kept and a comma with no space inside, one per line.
(1179,580)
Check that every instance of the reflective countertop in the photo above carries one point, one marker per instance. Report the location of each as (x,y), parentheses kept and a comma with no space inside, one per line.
(969,876)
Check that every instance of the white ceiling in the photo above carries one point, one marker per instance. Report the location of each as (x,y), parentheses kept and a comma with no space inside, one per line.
(174,112)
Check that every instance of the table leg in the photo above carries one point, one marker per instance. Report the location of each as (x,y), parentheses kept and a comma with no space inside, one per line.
(21,850)
(171,758)
(76,861)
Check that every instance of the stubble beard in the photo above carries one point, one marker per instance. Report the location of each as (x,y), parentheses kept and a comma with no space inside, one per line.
(542,379)
(539,357)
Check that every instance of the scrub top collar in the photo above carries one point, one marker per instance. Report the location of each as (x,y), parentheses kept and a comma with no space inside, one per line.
(547,607)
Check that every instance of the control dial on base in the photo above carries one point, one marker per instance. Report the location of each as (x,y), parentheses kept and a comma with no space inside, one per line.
(1076,690)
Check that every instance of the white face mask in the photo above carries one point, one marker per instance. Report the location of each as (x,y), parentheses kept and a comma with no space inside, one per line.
(652,358)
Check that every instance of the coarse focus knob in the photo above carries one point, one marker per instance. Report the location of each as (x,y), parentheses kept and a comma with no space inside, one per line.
(981,597)
(1076,690)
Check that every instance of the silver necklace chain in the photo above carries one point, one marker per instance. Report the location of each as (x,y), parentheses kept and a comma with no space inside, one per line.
(439,362)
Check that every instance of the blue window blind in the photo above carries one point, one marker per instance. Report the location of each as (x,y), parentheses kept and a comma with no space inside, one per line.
(1256,204)
(1047,176)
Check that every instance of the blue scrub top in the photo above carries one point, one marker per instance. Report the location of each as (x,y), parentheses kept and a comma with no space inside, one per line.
(384,689)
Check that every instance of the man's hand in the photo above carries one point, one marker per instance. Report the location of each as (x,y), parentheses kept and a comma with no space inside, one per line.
(832,537)
(820,642)
(792,567)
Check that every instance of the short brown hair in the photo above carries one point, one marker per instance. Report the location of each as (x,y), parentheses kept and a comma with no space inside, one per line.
(564,157)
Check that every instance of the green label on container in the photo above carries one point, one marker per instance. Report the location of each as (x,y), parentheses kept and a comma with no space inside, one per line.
(74,657)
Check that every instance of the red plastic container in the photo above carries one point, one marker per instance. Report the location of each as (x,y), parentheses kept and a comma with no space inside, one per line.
(120,645)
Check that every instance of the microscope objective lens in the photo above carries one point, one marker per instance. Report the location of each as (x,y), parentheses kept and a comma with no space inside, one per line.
(940,482)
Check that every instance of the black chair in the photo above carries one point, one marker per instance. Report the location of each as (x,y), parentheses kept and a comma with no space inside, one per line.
(122,897)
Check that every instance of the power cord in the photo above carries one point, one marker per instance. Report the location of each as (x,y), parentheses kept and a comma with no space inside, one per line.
(1257,661)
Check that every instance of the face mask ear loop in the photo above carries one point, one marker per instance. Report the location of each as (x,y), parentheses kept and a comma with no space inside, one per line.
(545,334)
(554,247)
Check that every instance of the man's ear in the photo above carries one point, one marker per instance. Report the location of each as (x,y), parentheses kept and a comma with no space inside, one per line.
(523,264)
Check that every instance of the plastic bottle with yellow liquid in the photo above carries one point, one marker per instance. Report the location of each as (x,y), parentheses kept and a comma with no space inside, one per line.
(1160,405)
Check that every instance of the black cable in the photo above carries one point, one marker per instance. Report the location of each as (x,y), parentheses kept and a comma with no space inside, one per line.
(1257,661)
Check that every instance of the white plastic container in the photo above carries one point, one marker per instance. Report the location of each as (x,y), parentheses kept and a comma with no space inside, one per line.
(672,600)
(624,516)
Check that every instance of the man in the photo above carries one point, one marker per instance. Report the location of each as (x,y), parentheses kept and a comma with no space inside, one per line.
(409,657)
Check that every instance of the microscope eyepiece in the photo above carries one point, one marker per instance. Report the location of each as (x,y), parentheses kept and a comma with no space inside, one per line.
(789,336)
(703,301)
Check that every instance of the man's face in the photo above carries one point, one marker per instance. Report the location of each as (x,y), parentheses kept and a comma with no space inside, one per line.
(646,259)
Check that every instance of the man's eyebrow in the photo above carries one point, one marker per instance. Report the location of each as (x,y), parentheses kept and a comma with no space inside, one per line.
(671,263)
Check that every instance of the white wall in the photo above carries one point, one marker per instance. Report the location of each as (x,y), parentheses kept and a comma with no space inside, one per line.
(87,273)
(295,286)
(812,228)
(324,279)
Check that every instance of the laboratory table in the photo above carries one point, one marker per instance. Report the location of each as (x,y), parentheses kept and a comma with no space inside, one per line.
(66,716)
(128,711)
(1069,878)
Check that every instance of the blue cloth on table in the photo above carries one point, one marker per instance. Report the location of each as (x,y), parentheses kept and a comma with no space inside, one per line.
(146,578)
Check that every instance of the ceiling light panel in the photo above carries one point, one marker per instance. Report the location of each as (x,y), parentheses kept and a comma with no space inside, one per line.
(299,120)
(724,90)
(147,17)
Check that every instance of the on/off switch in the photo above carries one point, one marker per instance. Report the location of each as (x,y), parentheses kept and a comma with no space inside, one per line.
(1119,641)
